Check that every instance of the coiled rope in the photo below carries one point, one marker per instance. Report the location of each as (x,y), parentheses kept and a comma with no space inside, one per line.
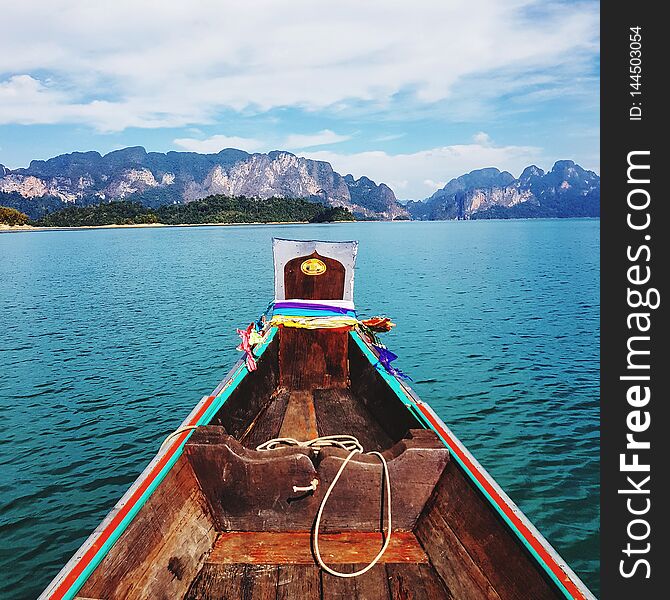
(347,442)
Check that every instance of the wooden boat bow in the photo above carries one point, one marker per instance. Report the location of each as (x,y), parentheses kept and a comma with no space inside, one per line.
(212,516)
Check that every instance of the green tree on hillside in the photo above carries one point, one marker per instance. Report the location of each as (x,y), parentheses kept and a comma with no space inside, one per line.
(11,216)
(213,209)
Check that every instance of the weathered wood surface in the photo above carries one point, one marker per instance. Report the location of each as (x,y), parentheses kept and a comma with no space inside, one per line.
(415,466)
(313,358)
(249,490)
(216,583)
(307,582)
(300,417)
(262,547)
(417,582)
(267,424)
(299,581)
(339,412)
(252,394)
(372,585)
(163,548)
(327,286)
(253,491)
(473,549)
(261,582)
(452,561)
(368,387)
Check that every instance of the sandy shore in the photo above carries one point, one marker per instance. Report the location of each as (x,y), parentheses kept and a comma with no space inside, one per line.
(12,228)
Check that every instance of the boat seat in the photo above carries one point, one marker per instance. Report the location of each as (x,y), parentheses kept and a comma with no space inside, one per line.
(249,490)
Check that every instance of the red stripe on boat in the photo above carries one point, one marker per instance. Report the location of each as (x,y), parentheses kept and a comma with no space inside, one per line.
(88,556)
(561,575)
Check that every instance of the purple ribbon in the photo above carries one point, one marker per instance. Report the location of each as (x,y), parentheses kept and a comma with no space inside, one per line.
(337,309)
(386,357)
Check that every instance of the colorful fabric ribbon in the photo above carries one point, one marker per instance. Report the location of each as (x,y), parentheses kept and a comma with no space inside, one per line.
(310,322)
(250,337)
(386,357)
(381,324)
(314,315)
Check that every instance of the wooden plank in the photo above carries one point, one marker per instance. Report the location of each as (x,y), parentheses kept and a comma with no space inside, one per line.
(268,422)
(300,418)
(372,585)
(262,547)
(488,541)
(417,582)
(313,358)
(216,582)
(434,586)
(338,411)
(451,560)
(357,500)
(251,395)
(299,582)
(253,491)
(163,547)
(369,387)
(339,588)
(260,582)
(329,285)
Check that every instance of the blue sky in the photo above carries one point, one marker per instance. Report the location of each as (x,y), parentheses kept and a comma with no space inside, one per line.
(408,93)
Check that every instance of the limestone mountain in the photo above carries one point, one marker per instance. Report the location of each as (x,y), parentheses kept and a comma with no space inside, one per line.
(567,190)
(155,178)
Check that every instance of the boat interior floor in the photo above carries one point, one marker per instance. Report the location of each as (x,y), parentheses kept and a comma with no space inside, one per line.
(307,414)
(273,556)
(388,581)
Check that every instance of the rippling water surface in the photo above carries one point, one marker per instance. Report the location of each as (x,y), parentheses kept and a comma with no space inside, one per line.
(109,338)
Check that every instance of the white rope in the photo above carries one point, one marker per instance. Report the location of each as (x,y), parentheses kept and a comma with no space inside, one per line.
(176,432)
(347,442)
(387,537)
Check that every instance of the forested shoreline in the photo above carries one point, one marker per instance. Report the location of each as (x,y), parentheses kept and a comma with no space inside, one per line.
(213,209)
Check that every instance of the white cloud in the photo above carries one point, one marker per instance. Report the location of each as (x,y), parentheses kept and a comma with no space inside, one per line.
(295,141)
(482,138)
(158,64)
(425,171)
(216,143)
(322,138)
(390,137)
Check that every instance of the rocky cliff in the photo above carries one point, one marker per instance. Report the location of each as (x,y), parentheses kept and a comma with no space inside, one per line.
(154,178)
(567,190)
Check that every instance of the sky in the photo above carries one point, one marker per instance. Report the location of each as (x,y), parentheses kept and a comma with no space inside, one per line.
(409,93)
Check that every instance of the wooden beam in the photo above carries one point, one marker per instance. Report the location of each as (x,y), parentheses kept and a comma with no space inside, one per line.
(249,490)
(263,547)
(300,417)
(313,358)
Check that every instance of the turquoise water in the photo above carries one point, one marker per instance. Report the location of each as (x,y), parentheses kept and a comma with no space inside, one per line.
(109,338)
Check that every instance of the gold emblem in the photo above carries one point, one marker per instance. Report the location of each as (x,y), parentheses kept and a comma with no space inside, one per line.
(313,266)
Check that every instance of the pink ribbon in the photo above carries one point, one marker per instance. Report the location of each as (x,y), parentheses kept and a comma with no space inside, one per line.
(245,346)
